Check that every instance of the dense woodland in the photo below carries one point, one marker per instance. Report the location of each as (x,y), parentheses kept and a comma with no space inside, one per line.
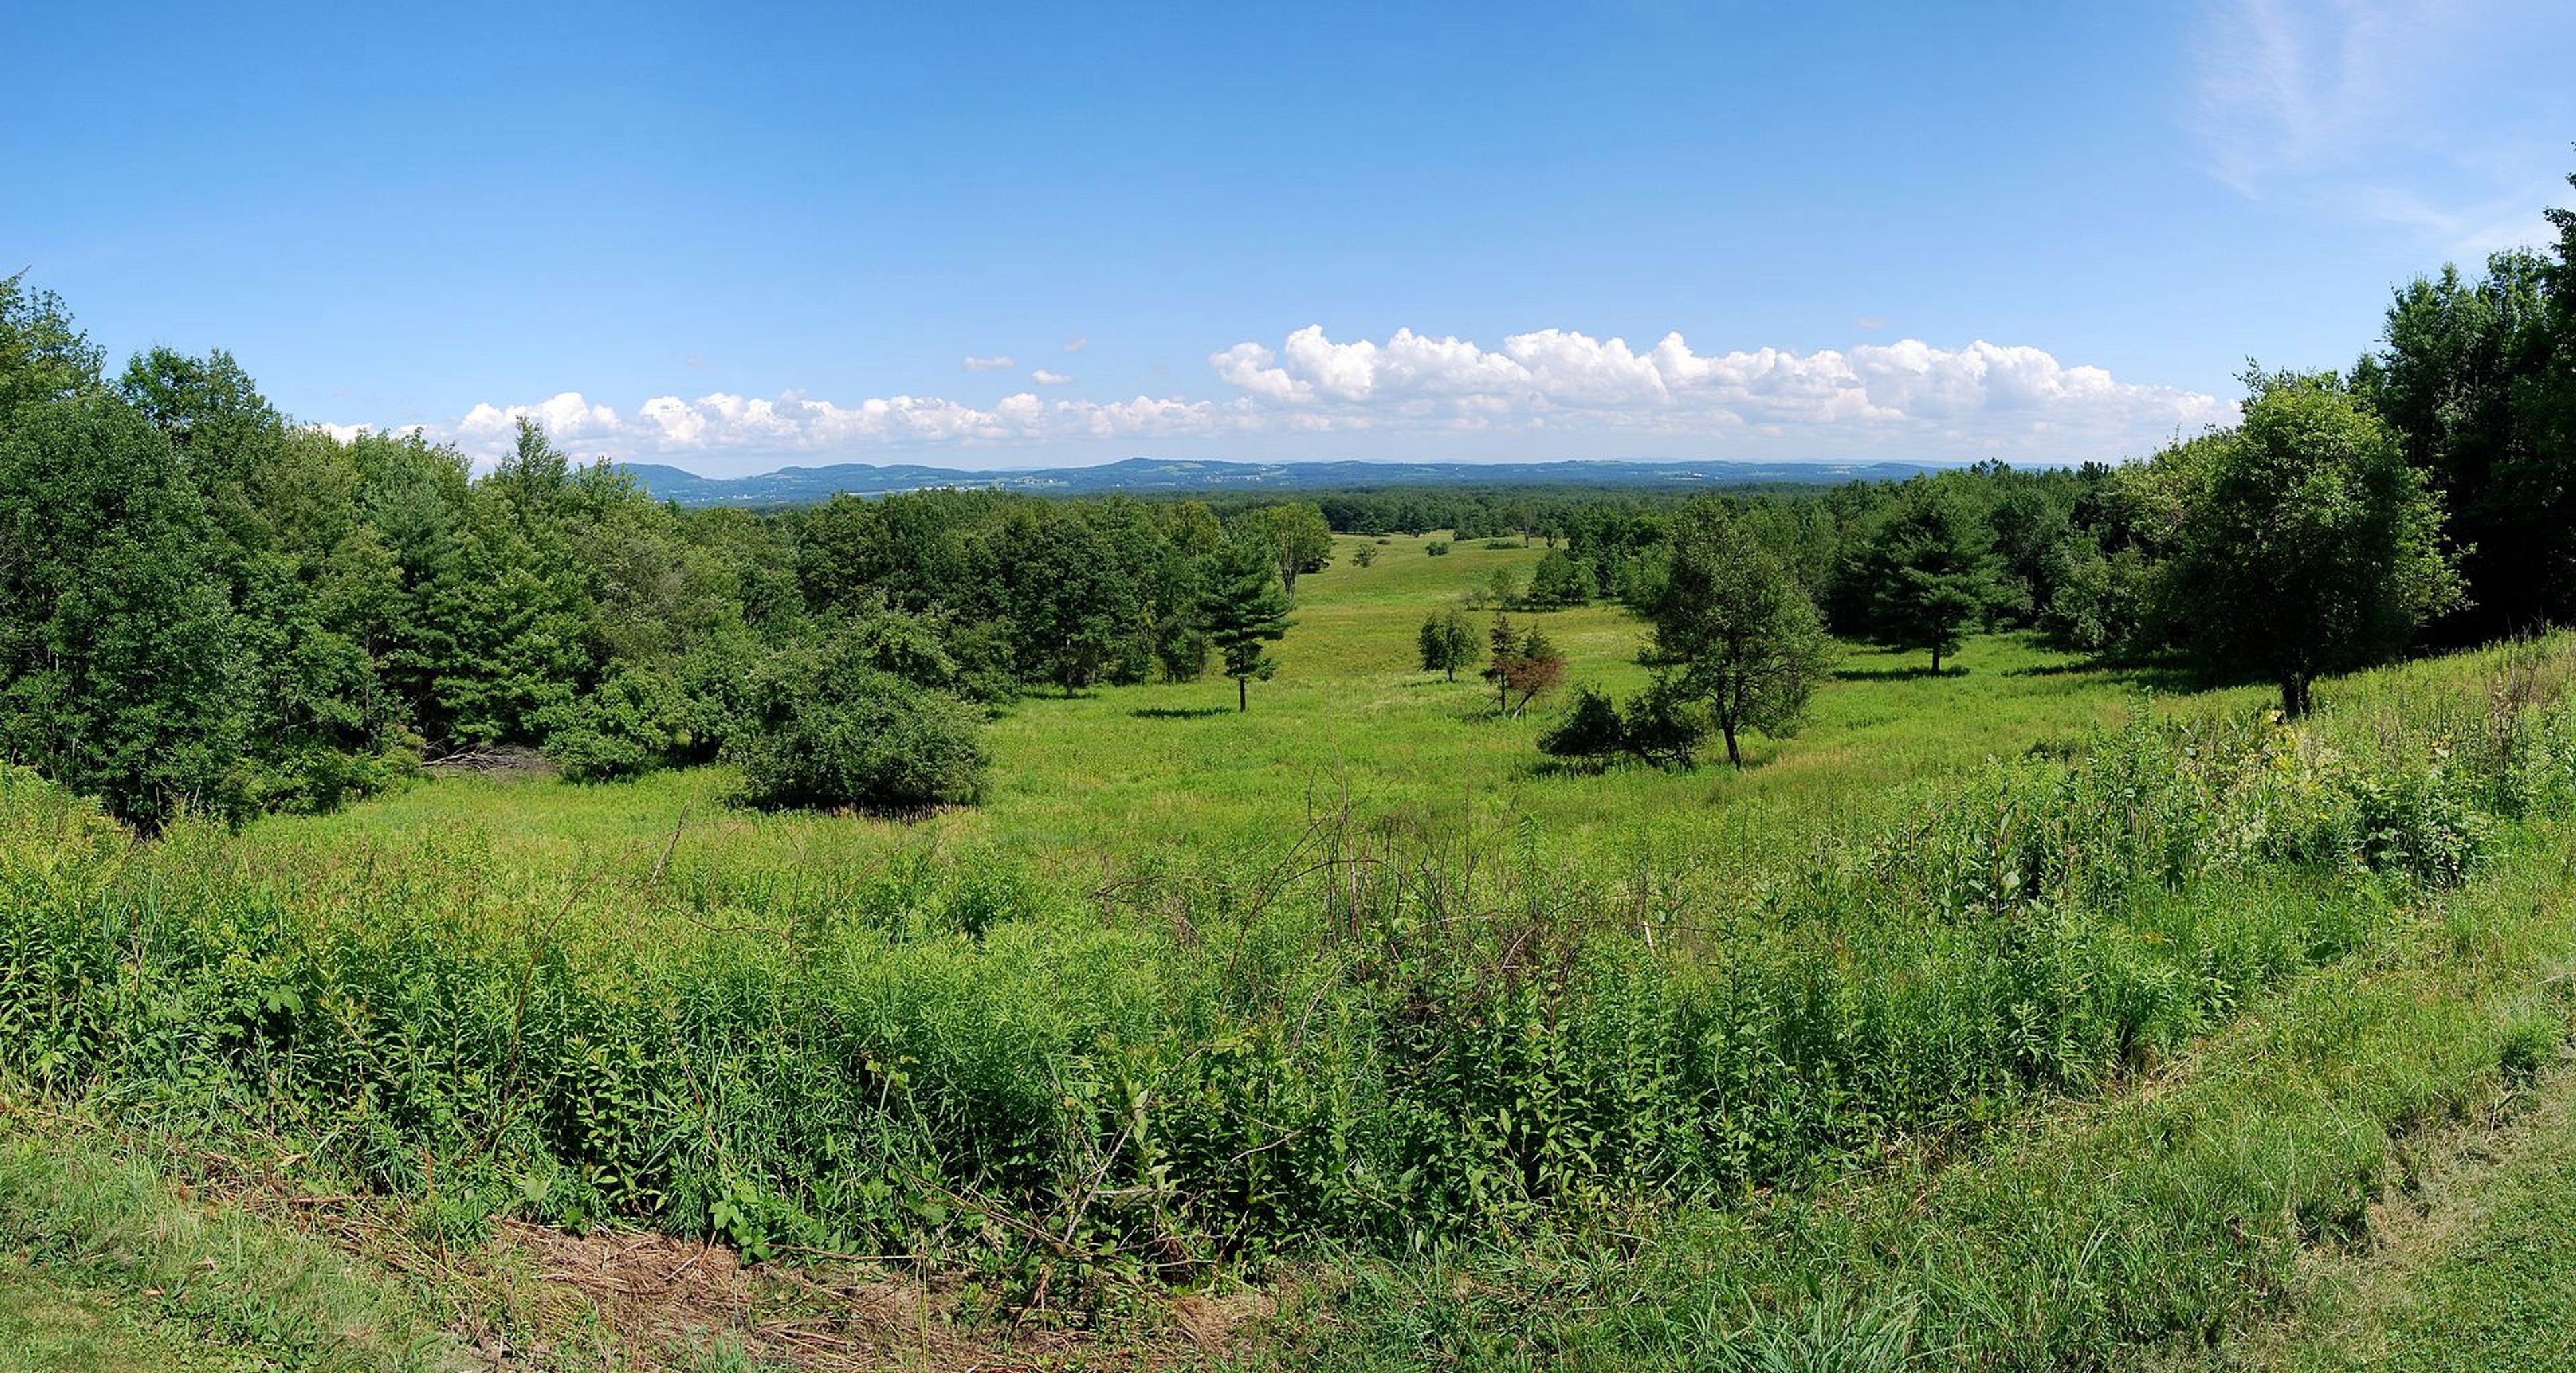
(205,605)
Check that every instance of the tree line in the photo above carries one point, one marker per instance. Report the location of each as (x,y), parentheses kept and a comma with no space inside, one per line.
(2423,496)
(204,605)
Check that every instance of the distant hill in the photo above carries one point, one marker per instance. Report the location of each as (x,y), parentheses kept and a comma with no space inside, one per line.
(805,485)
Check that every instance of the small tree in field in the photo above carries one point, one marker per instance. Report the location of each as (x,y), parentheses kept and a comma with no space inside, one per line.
(1738,632)
(2309,545)
(1524,665)
(1365,555)
(1448,643)
(1300,538)
(1558,581)
(1245,607)
(1658,726)
(1933,575)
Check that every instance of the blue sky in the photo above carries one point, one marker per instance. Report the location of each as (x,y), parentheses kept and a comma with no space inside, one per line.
(737,237)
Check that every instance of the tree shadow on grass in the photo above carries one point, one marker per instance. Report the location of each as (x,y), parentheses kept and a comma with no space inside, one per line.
(2157,677)
(1896,674)
(1180,712)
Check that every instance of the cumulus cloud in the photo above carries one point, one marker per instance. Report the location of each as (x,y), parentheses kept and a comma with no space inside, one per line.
(998,363)
(1560,379)
(345,432)
(1908,398)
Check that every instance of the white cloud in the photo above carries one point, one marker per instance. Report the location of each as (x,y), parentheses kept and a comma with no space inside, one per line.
(345,432)
(1554,378)
(1076,344)
(566,416)
(1550,386)
(992,364)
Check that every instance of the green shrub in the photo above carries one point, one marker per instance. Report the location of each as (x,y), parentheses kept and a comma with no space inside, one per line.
(828,736)
(1590,730)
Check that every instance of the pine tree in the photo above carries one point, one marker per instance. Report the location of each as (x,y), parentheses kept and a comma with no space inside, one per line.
(1933,575)
(1245,607)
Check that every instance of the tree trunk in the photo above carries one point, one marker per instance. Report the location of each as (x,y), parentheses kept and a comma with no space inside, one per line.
(1733,754)
(2296,696)
(1936,660)
(1242,695)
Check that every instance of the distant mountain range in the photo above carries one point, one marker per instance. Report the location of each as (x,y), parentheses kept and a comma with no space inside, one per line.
(805,485)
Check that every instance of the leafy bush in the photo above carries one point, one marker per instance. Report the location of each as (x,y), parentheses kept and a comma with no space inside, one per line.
(1558,582)
(1656,726)
(830,728)
(875,742)
(1590,732)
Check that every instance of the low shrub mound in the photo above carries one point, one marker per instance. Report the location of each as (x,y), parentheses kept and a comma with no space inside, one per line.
(827,732)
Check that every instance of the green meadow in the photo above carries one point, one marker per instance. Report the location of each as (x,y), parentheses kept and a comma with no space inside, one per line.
(1156,772)
(2031,1015)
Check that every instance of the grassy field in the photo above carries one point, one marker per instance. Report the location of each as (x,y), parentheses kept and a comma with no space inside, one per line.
(2012,1017)
(1164,771)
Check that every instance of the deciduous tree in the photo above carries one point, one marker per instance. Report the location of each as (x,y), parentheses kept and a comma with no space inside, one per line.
(1448,643)
(2308,544)
(1736,630)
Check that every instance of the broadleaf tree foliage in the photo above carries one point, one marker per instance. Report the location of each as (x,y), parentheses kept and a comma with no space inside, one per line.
(2307,544)
(1735,632)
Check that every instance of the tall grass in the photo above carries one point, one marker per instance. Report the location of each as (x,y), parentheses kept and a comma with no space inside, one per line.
(1386,1033)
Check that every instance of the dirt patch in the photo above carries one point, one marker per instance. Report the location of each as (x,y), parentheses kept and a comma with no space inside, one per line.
(665,1298)
(653,1290)
(502,760)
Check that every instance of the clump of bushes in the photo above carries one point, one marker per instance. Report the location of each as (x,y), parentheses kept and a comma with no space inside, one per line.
(1656,726)
(831,727)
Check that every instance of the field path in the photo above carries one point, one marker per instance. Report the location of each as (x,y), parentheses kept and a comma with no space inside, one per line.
(2471,1269)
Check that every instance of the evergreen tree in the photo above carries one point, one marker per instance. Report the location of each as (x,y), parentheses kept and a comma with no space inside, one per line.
(1931,573)
(1245,607)
(1523,665)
